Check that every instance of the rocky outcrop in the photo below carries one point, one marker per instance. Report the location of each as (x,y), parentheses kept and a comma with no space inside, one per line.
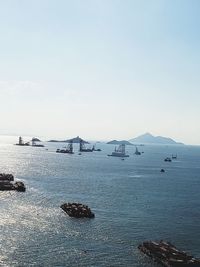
(6,177)
(167,254)
(6,183)
(77,210)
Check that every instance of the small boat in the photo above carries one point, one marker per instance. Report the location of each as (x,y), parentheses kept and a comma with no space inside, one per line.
(68,149)
(162,170)
(119,152)
(174,156)
(137,152)
(167,159)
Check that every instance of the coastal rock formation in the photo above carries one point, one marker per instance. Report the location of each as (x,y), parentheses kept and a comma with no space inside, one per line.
(19,186)
(122,142)
(6,177)
(6,183)
(77,210)
(75,140)
(167,254)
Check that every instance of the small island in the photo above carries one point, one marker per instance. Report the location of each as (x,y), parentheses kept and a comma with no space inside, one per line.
(75,140)
(122,142)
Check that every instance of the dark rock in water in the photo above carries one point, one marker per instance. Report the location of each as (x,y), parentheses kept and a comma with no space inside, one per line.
(6,183)
(77,210)
(6,186)
(19,186)
(167,254)
(6,177)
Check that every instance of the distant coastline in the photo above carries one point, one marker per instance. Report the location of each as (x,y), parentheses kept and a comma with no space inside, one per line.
(147,138)
(115,142)
(73,140)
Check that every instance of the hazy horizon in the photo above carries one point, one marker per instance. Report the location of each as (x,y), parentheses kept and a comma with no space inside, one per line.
(13,138)
(100,69)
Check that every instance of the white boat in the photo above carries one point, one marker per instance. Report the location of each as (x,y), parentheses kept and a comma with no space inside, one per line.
(119,152)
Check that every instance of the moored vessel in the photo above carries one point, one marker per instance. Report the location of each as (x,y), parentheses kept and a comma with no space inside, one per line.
(119,152)
(21,142)
(68,149)
(82,147)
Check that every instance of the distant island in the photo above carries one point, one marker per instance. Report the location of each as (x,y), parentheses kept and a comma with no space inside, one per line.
(34,139)
(73,140)
(148,138)
(115,142)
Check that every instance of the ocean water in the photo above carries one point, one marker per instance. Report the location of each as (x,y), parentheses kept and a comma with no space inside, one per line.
(131,199)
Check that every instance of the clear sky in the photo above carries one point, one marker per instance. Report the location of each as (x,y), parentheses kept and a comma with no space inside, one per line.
(101,69)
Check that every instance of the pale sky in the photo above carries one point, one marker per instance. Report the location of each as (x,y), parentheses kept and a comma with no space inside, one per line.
(101,69)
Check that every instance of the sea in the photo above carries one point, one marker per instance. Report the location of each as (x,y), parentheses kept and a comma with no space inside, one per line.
(132,201)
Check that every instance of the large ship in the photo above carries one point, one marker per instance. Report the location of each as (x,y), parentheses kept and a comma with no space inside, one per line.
(119,152)
(82,147)
(21,142)
(68,149)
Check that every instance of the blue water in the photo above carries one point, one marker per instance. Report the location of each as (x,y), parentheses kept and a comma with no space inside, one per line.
(131,199)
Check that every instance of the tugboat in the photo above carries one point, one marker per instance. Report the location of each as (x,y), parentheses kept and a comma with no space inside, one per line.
(68,150)
(83,148)
(137,152)
(21,142)
(119,152)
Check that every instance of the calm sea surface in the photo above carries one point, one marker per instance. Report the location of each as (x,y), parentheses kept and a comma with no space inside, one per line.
(131,199)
